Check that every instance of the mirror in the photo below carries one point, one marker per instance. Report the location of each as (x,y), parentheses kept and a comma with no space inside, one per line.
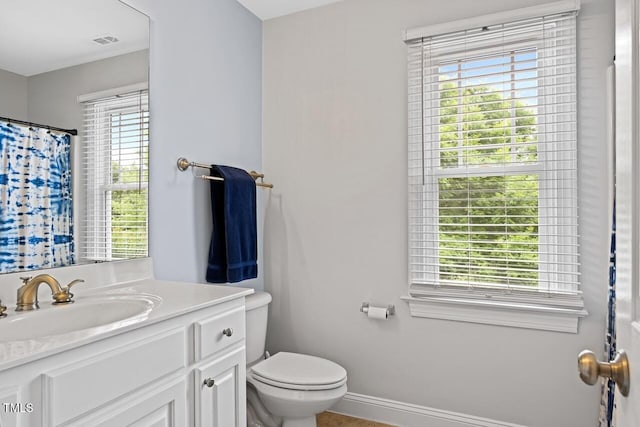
(77,64)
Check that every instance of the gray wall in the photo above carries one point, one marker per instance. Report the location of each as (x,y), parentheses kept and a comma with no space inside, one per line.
(13,98)
(335,136)
(53,96)
(206,105)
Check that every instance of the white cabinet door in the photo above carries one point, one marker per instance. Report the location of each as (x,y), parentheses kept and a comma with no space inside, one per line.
(166,406)
(220,391)
(11,408)
(112,374)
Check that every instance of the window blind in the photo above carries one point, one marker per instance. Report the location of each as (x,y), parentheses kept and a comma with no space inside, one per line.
(493,158)
(115,177)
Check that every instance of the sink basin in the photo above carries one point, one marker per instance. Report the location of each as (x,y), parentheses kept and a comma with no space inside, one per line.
(101,313)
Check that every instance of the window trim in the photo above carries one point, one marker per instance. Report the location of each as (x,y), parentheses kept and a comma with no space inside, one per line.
(551,310)
(501,313)
(544,9)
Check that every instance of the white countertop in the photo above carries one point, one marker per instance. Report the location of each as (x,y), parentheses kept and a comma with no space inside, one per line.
(173,299)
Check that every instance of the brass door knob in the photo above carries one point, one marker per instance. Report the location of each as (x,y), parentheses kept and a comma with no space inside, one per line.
(618,370)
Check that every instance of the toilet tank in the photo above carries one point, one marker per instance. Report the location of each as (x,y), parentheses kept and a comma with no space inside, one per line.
(257,309)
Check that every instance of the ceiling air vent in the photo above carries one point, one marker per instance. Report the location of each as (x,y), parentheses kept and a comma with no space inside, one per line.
(107,39)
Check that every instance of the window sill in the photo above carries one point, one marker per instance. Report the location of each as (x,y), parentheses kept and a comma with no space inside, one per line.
(514,314)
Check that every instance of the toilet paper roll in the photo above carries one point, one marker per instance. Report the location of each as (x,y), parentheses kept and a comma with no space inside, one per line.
(377,313)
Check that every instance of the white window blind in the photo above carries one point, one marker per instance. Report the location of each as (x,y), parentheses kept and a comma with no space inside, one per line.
(493,160)
(115,177)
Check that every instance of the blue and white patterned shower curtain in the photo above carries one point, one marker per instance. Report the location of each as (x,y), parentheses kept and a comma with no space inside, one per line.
(607,404)
(36,215)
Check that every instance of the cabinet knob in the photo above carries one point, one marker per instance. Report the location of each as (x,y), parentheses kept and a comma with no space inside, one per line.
(209,382)
(228,332)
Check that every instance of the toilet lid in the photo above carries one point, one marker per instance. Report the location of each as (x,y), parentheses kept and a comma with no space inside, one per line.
(299,371)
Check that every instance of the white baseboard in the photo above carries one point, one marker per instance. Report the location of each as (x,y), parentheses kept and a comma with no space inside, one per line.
(408,415)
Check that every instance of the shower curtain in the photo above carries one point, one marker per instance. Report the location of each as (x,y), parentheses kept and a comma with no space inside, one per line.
(36,215)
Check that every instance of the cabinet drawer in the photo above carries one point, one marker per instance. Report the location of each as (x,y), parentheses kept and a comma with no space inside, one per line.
(110,376)
(217,332)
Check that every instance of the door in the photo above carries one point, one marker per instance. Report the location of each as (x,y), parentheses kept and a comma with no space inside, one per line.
(628,205)
(625,369)
(220,391)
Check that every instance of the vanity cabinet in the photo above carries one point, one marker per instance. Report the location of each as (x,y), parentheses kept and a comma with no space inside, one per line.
(187,370)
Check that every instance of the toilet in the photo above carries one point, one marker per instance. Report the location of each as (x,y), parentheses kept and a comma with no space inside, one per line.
(286,389)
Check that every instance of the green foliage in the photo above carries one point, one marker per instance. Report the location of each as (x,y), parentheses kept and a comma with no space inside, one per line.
(488,224)
(128,223)
(129,208)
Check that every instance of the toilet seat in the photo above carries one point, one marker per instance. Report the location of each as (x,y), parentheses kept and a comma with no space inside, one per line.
(299,387)
(299,372)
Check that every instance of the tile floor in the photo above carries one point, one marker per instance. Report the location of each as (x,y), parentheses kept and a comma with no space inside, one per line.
(330,419)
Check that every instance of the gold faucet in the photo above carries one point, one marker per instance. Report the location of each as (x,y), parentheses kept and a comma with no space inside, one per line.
(28,292)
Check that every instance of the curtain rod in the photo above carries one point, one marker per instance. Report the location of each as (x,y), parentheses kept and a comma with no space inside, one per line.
(22,122)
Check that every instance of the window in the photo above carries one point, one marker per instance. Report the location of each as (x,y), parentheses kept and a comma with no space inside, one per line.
(493,173)
(115,177)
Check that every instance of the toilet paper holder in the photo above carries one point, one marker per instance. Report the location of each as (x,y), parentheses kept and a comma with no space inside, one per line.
(391,309)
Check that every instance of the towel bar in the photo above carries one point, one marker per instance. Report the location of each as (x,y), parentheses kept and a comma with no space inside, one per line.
(184,164)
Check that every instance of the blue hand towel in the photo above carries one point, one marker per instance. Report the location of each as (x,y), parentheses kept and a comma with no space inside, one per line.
(233,253)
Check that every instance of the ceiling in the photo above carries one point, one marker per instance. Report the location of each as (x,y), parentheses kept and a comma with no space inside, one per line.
(267,9)
(47,35)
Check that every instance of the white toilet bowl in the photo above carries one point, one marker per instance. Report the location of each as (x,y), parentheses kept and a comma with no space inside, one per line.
(296,387)
(291,387)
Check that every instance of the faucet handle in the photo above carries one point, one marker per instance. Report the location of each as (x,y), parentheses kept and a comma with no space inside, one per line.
(65,295)
(74,282)
(25,279)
